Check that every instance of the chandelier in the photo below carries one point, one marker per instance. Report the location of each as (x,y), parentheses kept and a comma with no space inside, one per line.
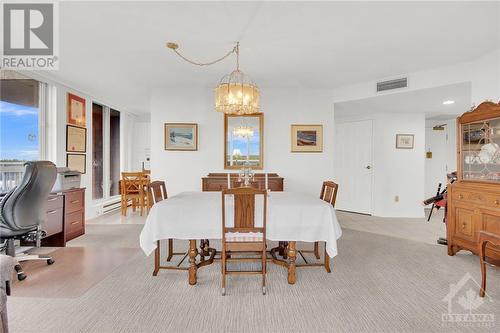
(236,92)
(243,131)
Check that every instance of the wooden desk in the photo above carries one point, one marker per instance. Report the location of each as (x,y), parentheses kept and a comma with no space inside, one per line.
(65,217)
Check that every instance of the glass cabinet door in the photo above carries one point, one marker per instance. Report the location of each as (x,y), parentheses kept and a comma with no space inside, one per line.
(480,151)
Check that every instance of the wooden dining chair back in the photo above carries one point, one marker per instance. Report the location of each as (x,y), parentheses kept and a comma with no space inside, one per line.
(329,192)
(486,238)
(134,188)
(245,236)
(157,192)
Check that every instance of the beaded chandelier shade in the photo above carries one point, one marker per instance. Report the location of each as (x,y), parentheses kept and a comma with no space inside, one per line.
(236,93)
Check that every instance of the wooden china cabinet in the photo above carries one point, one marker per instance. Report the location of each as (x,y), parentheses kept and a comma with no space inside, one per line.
(474,199)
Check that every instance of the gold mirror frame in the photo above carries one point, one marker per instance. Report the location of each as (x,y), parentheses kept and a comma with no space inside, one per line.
(260,166)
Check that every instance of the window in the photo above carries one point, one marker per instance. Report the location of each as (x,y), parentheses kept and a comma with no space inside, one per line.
(22,111)
(114,151)
(105,152)
(97,151)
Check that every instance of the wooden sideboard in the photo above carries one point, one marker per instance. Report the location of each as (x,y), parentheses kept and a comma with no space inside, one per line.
(474,199)
(473,208)
(65,217)
(218,181)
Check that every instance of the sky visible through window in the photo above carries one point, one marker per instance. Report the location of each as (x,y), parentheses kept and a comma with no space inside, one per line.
(18,132)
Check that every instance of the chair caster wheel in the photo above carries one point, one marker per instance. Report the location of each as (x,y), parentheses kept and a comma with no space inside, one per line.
(50,261)
(223,291)
(263,290)
(21,276)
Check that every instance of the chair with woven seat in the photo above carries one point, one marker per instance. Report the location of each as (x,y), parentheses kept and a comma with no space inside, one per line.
(486,238)
(157,191)
(246,235)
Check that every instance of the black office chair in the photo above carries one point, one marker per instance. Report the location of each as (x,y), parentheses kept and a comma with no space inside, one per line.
(22,211)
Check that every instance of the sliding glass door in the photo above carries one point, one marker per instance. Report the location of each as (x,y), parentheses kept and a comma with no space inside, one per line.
(105,152)
(114,152)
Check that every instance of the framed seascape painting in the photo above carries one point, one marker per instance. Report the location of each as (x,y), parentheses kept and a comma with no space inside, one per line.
(307,138)
(181,136)
(76,110)
(404,141)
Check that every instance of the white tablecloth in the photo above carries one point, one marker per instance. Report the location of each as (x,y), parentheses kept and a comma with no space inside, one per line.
(198,215)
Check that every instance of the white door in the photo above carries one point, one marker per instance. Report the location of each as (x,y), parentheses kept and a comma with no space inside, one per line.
(353,165)
(436,167)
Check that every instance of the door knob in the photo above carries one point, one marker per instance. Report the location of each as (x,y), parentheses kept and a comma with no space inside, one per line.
(368,167)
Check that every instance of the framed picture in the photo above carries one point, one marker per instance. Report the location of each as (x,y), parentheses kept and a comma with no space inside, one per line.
(76,139)
(77,162)
(307,138)
(76,110)
(181,136)
(404,141)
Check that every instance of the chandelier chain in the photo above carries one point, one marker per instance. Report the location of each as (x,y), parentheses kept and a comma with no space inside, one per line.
(234,50)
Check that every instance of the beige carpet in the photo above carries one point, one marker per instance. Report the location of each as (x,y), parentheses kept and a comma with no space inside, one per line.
(378,284)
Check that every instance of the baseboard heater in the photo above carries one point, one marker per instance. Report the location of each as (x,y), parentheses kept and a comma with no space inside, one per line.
(111,206)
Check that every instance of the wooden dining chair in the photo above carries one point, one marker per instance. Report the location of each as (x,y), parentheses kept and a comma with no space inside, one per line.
(244,237)
(485,238)
(158,192)
(134,188)
(329,194)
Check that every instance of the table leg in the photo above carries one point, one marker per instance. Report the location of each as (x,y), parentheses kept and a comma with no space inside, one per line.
(292,254)
(193,252)
(282,249)
(157,259)
(327,262)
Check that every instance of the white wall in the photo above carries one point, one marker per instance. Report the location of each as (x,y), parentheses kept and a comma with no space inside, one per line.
(183,170)
(483,73)
(396,172)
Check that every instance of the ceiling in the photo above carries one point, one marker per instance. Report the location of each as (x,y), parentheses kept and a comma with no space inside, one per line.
(116,50)
(427,101)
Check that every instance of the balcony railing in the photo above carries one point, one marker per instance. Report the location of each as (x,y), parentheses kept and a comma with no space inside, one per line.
(11,174)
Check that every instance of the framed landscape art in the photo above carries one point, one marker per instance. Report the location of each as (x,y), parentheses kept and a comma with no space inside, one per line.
(181,136)
(76,110)
(307,138)
(404,141)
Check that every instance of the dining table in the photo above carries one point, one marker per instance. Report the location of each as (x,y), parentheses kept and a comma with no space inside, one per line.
(291,217)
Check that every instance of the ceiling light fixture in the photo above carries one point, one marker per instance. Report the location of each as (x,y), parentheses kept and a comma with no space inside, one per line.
(448,102)
(236,92)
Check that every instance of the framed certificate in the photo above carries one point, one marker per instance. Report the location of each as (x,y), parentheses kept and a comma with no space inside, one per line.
(77,162)
(76,139)
(76,110)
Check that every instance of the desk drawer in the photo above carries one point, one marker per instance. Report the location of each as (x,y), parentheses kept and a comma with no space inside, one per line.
(74,222)
(54,202)
(73,201)
(53,223)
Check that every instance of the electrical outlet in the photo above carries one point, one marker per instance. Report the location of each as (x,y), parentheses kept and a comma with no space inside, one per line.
(396,198)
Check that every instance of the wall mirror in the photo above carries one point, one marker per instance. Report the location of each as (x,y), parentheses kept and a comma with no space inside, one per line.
(243,141)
